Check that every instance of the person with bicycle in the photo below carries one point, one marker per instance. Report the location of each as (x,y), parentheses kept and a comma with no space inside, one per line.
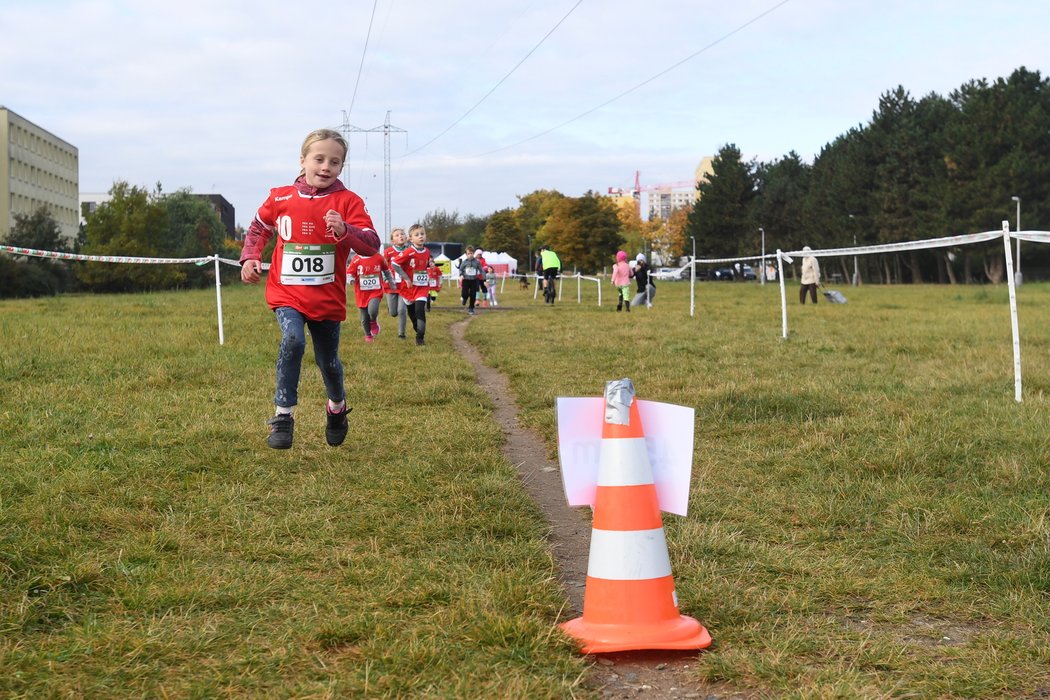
(550,267)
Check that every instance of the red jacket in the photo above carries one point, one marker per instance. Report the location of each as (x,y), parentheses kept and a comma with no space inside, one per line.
(308,269)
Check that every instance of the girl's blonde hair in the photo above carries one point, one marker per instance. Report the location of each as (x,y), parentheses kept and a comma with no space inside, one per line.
(324,135)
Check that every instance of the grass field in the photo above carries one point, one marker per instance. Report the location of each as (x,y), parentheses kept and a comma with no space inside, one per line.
(869,516)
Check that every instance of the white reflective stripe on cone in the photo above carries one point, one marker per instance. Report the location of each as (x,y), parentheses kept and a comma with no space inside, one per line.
(624,462)
(628,555)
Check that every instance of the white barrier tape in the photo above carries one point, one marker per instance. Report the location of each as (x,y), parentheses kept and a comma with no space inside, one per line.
(946,242)
(1033,236)
(237,264)
(32,252)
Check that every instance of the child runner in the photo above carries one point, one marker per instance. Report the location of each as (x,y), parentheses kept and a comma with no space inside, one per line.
(414,262)
(490,284)
(483,289)
(470,273)
(434,272)
(621,279)
(367,272)
(317,221)
(395,304)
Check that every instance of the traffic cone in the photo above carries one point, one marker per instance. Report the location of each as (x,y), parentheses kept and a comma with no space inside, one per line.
(629,601)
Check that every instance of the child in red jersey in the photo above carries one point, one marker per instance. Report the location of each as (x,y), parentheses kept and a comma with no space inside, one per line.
(366,273)
(414,261)
(317,221)
(434,273)
(395,285)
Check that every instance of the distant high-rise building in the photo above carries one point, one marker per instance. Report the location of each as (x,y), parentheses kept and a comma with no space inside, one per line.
(37,169)
(664,199)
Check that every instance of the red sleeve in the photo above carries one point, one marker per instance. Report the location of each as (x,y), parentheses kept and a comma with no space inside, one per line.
(360,231)
(259,233)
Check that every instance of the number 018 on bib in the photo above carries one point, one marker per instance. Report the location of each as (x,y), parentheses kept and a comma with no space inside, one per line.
(308,264)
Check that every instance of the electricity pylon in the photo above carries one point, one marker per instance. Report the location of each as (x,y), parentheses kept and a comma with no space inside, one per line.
(386,128)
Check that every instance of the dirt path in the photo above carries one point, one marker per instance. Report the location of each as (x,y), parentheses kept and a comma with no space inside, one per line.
(652,674)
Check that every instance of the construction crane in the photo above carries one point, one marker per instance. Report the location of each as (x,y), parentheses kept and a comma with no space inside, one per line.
(662,187)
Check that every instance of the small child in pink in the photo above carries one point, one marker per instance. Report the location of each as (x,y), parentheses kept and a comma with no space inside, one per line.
(621,279)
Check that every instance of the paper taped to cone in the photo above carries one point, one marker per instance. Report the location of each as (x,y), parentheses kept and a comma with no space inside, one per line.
(668,443)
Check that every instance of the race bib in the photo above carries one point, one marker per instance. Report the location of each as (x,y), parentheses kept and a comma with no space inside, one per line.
(308,264)
(368,283)
(420,278)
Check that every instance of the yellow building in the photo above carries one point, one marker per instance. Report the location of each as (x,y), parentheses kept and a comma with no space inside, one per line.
(37,169)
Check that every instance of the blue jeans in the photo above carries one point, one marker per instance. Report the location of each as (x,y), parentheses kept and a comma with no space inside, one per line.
(325,336)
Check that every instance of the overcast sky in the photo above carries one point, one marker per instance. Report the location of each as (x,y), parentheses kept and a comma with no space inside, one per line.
(218,96)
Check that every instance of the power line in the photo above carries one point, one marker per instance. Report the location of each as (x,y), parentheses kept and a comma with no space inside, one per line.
(608,102)
(501,81)
(361,67)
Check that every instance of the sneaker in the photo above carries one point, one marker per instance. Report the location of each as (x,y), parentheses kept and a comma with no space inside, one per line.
(369,338)
(401,336)
(281,427)
(336,426)
(419,340)
(375,328)
(470,311)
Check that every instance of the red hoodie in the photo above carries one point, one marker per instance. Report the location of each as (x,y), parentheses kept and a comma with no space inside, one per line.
(308,269)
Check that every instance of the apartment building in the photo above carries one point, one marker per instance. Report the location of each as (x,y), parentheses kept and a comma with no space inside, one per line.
(37,169)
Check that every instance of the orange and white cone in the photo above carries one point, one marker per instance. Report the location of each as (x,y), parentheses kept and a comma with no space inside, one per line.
(630,600)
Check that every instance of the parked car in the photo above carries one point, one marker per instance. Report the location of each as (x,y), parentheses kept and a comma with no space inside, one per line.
(723,273)
(702,273)
(665,273)
(747,273)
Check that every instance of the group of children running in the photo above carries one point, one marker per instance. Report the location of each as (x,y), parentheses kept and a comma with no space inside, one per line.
(406,274)
(318,224)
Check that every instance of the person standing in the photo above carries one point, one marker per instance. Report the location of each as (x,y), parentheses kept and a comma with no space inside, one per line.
(646,288)
(317,222)
(621,279)
(810,277)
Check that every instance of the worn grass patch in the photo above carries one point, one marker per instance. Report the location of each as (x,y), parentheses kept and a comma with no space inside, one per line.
(152,545)
(868,517)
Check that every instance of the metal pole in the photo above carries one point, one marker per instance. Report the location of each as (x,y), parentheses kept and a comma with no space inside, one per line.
(218,298)
(1017,272)
(856,273)
(1013,313)
(692,279)
(762,271)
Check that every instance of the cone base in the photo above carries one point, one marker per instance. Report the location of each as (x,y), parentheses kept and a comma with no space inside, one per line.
(682,633)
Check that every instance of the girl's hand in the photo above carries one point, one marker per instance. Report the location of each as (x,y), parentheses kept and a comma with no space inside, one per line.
(334,223)
(251,271)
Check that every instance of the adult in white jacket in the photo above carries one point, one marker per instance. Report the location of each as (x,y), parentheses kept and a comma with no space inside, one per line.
(810,277)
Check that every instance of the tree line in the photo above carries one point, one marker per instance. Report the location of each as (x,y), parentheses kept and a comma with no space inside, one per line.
(919,168)
(134,222)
